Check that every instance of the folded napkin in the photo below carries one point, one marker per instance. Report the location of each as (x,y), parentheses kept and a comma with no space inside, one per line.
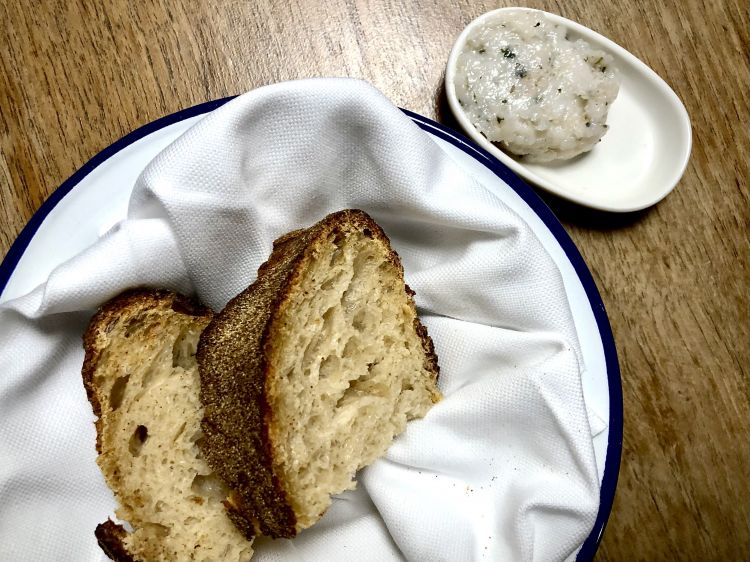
(502,469)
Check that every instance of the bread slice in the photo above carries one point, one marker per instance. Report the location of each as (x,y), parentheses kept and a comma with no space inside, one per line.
(141,378)
(309,374)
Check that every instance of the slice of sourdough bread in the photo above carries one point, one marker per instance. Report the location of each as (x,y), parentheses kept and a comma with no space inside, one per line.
(141,377)
(309,374)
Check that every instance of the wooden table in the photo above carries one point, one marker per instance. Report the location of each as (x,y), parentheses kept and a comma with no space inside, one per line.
(77,75)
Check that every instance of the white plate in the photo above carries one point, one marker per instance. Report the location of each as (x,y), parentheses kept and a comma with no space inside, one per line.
(96,197)
(640,159)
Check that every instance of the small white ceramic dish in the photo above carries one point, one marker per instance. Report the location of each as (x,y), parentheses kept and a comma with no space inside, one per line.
(640,159)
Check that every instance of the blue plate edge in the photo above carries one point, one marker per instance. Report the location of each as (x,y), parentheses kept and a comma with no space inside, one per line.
(16,250)
(614,443)
(614,383)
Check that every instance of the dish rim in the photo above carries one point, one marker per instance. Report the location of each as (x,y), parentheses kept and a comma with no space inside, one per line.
(614,442)
(658,82)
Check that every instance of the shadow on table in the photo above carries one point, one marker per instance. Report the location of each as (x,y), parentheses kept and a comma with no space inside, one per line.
(442,109)
(566,211)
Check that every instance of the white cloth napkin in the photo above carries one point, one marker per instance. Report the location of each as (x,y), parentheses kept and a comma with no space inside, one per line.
(502,469)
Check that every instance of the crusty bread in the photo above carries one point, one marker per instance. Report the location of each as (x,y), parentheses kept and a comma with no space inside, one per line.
(141,378)
(309,374)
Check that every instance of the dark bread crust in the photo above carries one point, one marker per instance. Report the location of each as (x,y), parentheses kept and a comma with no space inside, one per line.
(109,534)
(233,368)
(110,537)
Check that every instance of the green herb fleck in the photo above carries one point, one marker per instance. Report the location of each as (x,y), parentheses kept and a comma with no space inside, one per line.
(505,101)
(537,24)
(499,119)
(588,123)
(508,53)
(521,71)
(559,90)
(482,50)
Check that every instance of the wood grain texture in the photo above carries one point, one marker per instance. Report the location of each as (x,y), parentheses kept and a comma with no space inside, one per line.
(77,75)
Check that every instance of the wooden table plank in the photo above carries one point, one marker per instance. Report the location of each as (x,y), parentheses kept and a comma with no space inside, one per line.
(75,76)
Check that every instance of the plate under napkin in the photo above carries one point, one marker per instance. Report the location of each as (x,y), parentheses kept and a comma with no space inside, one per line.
(502,469)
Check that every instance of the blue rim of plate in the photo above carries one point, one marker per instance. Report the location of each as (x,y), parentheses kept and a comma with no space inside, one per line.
(614,443)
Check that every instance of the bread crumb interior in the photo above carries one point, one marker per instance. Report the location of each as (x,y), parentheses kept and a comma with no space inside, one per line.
(148,385)
(349,371)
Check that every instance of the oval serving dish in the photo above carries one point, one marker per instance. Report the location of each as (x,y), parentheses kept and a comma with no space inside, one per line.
(640,159)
